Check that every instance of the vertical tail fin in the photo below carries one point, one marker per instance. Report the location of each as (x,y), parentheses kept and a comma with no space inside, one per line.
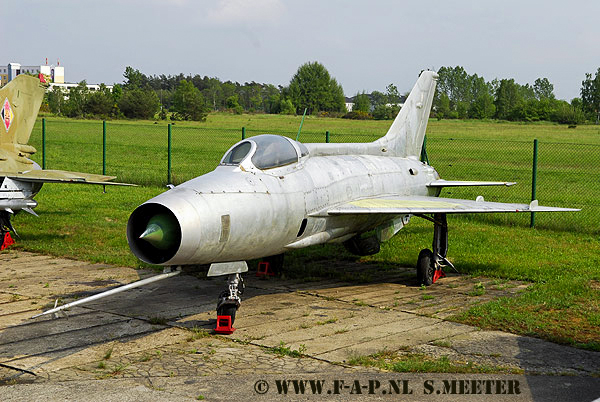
(20,102)
(405,136)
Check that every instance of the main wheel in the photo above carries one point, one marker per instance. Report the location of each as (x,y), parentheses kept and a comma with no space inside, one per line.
(227,309)
(425,267)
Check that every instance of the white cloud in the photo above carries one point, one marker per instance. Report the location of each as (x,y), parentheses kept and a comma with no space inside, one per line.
(250,12)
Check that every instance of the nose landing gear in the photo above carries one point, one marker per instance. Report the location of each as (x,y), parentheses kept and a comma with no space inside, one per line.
(229,302)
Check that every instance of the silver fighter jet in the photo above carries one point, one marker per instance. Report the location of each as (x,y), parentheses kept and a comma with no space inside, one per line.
(271,194)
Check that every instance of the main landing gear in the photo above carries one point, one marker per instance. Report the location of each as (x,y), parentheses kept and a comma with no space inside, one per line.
(229,302)
(430,264)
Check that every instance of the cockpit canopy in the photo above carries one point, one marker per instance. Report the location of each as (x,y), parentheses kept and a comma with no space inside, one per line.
(266,151)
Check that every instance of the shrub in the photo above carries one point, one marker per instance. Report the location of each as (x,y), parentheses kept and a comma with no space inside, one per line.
(358,115)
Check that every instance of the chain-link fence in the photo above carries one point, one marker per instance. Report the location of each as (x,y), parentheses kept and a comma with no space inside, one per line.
(566,177)
(567,173)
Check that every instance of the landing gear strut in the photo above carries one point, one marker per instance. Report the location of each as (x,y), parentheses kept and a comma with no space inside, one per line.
(229,302)
(430,264)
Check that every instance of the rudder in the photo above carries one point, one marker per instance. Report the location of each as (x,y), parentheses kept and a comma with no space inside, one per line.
(20,102)
(405,136)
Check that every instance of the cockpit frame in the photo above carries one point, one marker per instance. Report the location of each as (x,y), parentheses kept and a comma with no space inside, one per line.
(265,152)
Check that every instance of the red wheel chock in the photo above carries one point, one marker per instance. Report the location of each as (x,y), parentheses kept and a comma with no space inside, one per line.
(264,269)
(7,241)
(224,325)
(439,273)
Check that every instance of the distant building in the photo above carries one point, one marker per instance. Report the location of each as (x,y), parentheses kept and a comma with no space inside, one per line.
(67,85)
(56,74)
(3,76)
(12,70)
(350,102)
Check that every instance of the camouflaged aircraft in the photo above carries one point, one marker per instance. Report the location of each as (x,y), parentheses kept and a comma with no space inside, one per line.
(20,177)
(271,194)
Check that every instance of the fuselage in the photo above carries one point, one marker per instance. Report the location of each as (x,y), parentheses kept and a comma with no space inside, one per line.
(271,194)
(16,195)
(235,213)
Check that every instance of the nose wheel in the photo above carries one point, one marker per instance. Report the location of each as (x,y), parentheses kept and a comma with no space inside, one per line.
(228,303)
(228,310)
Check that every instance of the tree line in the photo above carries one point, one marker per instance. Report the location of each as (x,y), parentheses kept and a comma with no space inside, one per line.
(192,97)
(461,96)
(458,96)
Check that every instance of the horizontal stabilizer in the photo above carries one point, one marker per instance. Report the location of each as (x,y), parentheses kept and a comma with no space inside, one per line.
(63,176)
(464,183)
(415,205)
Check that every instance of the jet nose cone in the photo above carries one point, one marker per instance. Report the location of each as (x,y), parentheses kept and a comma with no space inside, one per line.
(153,233)
(160,232)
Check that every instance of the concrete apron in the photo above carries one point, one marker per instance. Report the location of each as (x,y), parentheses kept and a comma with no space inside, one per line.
(156,331)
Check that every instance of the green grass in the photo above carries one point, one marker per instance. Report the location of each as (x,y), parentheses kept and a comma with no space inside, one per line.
(420,363)
(561,256)
(136,152)
(82,222)
(283,350)
(563,305)
(157,320)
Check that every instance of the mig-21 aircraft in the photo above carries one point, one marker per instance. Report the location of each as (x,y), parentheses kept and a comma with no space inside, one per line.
(270,194)
(20,177)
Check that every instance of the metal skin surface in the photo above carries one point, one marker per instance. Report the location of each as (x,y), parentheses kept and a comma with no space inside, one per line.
(271,194)
(266,209)
(242,212)
(331,193)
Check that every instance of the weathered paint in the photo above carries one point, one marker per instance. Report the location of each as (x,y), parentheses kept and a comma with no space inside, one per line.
(341,190)
(21,178)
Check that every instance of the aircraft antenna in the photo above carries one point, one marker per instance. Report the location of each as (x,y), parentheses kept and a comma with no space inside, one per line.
(301,122)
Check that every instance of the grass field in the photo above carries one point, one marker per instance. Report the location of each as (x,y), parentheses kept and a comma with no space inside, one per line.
(560,256)
(136,152)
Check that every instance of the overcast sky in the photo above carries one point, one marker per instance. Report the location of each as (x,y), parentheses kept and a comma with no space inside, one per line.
(365,45)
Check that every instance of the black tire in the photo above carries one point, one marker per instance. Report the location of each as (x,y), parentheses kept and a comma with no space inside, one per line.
(425,267)
(227,309)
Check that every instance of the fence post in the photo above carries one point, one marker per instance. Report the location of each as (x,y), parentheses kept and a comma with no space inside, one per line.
(104,151)
(169,155)
(43,143)
(243,133)
(534,179)
(104,147)
(327,137)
